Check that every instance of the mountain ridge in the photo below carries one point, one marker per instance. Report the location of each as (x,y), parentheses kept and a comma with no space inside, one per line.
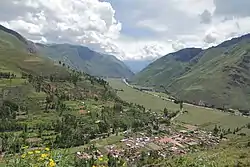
(76,56)
(218,75)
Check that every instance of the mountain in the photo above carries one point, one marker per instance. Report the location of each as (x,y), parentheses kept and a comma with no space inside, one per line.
(21,43)
(137,65)
(79,57)
(217,76)
(84,59)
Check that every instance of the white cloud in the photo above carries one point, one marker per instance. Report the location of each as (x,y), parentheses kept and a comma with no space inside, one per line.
(84,21)
(206,17)
(130,29)
(221,31)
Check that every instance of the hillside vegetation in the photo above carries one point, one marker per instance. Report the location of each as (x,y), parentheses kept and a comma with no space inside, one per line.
(48,105)
(56,116)
(84,59)
(75,56)
(218,76)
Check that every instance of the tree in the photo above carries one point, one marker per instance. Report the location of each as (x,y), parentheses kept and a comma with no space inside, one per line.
(165,112)
(181,105)
(51,77)
(221,136)
(75,77)
(248,125)
(216,130)
(60,62)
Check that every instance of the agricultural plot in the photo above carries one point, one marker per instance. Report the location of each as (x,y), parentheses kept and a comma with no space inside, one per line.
(203,117)
(135,96)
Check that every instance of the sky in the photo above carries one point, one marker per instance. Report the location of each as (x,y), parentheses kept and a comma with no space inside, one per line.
(128,29)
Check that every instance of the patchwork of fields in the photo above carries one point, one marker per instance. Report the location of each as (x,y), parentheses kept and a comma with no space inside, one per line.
(204,118)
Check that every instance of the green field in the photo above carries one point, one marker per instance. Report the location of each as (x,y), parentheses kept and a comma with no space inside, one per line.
(205,118)
(135,96)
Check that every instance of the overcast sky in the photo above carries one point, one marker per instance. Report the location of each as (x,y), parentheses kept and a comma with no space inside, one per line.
(129,29)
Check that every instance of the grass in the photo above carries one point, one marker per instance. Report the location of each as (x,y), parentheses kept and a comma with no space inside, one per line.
(216,78)
(12,82)
(203,117)
(135,96)
(208,119)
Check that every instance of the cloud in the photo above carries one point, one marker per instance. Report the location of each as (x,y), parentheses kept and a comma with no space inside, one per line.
(129,29)
(206,17)
(75,21)
(236,8)
(225,30)
(210,38)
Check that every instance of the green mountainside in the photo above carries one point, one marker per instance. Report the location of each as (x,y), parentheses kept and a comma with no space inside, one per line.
(43,104)
(217,76)
(82,58)
(77,57)
(53,115)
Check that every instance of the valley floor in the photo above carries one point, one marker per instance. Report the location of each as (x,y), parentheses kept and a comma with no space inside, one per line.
(203,117)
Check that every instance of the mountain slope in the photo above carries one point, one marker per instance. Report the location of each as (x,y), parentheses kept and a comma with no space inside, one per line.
(169,66)
(218,76)
(84,59)
(79,57)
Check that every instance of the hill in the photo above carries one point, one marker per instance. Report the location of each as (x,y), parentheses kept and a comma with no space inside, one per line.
(75,56)
(84,59)
(43,104)
(218,76)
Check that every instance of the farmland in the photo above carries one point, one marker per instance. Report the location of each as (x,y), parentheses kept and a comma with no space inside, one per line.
(203,117)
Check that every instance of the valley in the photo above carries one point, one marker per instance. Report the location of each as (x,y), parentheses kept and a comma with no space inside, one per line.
(53,114)
(203,117)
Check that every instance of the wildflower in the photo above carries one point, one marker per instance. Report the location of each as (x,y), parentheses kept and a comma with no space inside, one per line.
(37,152)
(47,149)
(30,152)
(100,158)
(51,163)
(23,156)
(93,166)
(44,156)
(24,147)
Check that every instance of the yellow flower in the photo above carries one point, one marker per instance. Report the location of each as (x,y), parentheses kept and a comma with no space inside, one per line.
(52,163)
(100,158)
(47,149)
(25,147)
(37,152)
(30,152)
(44,156)
(23,156)
(93,166)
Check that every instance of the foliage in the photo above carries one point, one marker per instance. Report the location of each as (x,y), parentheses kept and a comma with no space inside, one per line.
(209,75)
(86,60)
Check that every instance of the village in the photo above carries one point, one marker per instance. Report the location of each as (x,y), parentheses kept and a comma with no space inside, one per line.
(176,142)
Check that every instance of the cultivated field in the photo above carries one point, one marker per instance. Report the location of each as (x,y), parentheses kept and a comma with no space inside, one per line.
(205,118)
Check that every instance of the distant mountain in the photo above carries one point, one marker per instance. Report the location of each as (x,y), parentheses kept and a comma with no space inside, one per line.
(82,58)
(137,65)
(218,76)
(79,57)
